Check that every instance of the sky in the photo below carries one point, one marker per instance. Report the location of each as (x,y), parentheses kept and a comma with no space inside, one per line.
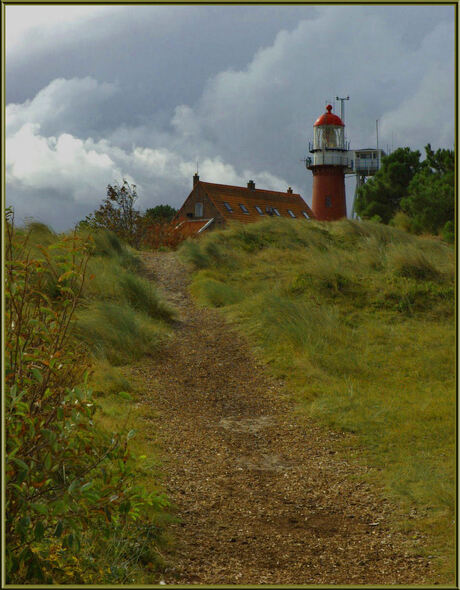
(98,94)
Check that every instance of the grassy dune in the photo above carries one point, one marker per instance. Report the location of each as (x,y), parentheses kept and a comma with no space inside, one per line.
(359,319)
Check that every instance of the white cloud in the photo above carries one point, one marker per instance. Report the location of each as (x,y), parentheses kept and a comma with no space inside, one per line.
(79,170)
(63,104)
(62,163)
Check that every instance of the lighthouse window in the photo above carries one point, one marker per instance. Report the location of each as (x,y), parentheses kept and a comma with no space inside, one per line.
(259,210)
(291,213)
(227,206)
(305,214)
(328,202)
(244,209)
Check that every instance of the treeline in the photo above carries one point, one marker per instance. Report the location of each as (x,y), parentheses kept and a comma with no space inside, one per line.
(117,213)
(76,307)
(415,195)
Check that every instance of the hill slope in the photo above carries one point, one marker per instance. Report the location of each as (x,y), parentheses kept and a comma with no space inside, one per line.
(262,495)
(358,319)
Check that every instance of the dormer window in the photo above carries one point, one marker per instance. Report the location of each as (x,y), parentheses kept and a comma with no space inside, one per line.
(259,210)
(227,206)
(244,209)
(291,213)
(305,214)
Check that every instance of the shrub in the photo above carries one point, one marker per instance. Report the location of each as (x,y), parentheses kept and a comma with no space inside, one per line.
(64,477)
(159,234)
(402,221)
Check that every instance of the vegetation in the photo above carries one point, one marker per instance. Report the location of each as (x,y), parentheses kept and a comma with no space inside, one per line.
(358,318)
(118,215)
(161,213)
(430,200)
(77,511)
(413,195)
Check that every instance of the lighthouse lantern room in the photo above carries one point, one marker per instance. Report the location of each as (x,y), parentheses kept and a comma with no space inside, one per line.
(328,164)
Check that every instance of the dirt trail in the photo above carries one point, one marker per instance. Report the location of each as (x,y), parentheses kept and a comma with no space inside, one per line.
(261,497)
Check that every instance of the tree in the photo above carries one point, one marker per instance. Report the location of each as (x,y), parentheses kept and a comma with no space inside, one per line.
(382,194)
(430,201)
(160,213)
(117,213)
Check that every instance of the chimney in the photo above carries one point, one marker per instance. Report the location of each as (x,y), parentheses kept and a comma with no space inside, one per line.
(196,178)
(289,190)
(251,185)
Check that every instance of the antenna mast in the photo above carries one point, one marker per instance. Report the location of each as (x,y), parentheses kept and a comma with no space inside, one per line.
(342,107)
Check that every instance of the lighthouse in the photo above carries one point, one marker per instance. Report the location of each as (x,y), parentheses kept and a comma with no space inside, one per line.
(328,165)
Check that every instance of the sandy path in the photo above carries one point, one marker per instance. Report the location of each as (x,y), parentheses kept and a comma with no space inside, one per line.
(262,498)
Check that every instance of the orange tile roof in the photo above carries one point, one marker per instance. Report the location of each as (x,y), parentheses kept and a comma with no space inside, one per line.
(250,198)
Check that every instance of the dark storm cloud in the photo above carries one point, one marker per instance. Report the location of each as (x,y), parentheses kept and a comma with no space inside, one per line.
(159,55)
(143,92)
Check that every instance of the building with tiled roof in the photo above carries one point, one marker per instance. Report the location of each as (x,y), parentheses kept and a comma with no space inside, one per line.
(211,206)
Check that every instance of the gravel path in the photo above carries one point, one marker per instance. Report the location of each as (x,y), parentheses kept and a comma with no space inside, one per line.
(262,496)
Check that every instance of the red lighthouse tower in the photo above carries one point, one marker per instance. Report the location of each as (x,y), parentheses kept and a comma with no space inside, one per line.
(328,164)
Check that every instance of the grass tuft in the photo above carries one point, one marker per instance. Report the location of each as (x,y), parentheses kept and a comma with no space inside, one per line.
(141,295)
(192,253)
(118,333)
(215,293)
(411,263)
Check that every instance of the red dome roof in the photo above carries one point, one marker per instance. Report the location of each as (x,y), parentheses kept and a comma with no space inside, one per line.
(328,119)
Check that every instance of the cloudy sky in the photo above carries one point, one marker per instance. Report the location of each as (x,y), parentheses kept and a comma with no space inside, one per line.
(96,94)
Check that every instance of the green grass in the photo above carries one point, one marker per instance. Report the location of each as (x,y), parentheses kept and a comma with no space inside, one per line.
(118,333)
(137,558)
(358,317)
(123,317)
